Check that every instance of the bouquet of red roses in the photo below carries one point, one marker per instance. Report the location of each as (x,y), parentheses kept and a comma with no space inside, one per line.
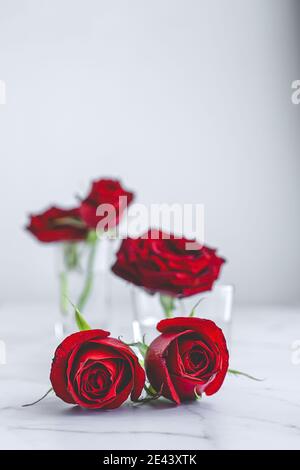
(187,359)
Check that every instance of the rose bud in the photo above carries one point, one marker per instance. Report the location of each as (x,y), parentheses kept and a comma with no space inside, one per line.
(162,263)
(106,192)
(57,225)
(189,358)
(94,371)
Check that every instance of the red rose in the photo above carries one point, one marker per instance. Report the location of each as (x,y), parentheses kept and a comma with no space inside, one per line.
(104,191)
(94,371)
(166,266)
(189,357)
(57,225)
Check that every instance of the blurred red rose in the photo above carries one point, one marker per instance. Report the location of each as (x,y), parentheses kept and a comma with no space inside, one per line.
(94,371)
(105,191)
(58,225)
(189,358)
(166,265)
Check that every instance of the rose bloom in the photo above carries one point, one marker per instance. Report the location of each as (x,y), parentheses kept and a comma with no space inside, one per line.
(57,225)
(166,266)
(104,191)
(94,371)
(189,358)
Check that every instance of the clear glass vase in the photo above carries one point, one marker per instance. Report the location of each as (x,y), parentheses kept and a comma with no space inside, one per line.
(83,270)
(148,310)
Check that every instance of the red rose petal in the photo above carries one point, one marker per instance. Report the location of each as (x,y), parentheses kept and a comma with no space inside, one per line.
(160,263)
(60,362)
(169,367)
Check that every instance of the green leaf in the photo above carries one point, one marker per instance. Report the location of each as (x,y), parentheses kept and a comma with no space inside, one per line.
(193,311)
(80,321)
(197,396)
(168,304)
(243,374)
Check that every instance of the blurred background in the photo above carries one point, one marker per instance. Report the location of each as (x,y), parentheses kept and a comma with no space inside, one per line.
(186,101)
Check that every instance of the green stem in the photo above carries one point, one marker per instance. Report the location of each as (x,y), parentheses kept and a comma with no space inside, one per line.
(88,284)
(150,390)
(63,282)
(243,374)
(168,304)
(40,399)
(71,260)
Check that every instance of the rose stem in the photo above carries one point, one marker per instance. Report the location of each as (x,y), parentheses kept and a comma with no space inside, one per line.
(168,305)
(88,285)
(63,281)
(70,261)
(40,399)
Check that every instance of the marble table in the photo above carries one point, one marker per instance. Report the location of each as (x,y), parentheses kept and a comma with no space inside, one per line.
(243,415)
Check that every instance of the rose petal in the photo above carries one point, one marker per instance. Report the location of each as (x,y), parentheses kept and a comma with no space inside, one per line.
(211,335)
(156,366)
(58,376)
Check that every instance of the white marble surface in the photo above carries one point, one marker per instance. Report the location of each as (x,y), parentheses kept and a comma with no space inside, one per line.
(243,415)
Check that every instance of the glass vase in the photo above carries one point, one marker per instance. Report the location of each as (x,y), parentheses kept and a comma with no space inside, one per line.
(148,310)
(83,270)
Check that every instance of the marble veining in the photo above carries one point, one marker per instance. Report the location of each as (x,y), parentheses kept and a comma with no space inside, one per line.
(243,415)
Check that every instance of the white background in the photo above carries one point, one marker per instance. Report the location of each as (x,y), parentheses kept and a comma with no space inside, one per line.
(185,100)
